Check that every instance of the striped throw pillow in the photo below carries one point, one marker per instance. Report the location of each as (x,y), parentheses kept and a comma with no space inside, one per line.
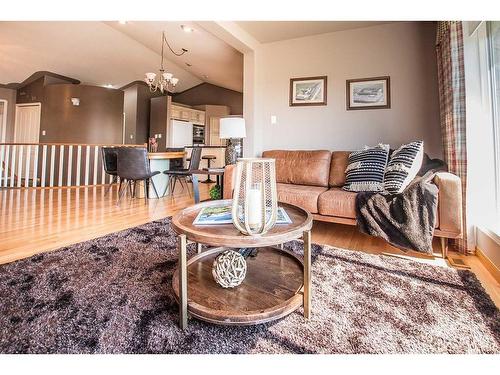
(365,171)
(403,166)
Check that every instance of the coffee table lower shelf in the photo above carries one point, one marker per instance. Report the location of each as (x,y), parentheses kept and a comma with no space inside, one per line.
(272,289)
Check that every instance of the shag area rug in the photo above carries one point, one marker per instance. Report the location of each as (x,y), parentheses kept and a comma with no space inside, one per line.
(114,295)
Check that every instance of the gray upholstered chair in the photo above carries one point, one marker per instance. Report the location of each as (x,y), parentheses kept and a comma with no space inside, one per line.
(109,161)
(182,175)
(132,166)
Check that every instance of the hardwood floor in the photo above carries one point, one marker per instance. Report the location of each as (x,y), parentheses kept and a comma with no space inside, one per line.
(38,220)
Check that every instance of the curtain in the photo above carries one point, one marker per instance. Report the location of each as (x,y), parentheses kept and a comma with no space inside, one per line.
(451,82)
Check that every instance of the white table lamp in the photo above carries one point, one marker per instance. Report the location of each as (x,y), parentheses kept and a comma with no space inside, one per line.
(233,129)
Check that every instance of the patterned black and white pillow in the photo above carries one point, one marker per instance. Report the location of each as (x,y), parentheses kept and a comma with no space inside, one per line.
(365,171)
(403,166)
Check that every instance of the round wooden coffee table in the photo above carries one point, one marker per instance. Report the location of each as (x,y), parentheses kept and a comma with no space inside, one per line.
(277,281)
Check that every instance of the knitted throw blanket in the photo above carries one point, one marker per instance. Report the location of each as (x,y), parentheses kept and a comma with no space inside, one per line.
(405,220)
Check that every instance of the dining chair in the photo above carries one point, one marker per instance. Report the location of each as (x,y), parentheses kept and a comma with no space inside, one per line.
(133,165)
(182,175)
(109,161)
(176,163)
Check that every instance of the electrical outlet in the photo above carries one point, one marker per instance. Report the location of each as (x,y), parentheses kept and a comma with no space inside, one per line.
(159,135)
(44,132)
(273,119)
(131,136)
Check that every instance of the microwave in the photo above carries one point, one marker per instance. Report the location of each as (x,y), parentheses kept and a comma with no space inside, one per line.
(198,135)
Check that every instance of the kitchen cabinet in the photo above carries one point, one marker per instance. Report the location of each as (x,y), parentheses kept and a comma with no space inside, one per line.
(198,117)
(183,113)
(213,114)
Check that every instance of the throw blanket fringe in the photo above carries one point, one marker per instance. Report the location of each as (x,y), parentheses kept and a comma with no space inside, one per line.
(405,220)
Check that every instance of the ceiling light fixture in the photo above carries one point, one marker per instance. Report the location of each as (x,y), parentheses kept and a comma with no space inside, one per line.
(108,86)
(187,29)
(166,81)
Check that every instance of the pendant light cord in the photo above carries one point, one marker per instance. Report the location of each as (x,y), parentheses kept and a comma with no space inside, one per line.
(164,39)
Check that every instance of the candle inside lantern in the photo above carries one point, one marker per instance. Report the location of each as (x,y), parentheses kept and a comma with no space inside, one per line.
(254,206)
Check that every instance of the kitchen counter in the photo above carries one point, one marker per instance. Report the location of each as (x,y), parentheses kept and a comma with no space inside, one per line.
(206,146)
(159,161)
(166,155)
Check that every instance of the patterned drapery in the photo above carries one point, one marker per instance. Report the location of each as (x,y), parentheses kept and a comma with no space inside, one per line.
(451,82)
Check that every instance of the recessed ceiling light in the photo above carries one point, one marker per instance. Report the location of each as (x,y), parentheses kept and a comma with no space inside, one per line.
(187,29)
(205,76)
(122,22)
(108,86)
(188,64)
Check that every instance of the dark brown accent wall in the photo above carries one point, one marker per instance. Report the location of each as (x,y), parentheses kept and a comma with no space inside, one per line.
(49,77)
(160,119)
(137,105)
(98,118)
(32,89)
(206,93)
(130,110)
(10,96)
(32,92)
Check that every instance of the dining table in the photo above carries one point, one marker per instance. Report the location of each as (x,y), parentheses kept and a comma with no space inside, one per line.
(160,161)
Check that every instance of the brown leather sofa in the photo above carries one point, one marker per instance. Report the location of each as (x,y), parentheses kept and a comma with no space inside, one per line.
(314,179)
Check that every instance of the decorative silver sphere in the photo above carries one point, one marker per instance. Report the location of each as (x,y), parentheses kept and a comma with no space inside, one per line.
(229,269)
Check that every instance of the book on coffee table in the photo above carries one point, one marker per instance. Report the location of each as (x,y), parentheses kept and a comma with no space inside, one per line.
(222,215)
(214,170)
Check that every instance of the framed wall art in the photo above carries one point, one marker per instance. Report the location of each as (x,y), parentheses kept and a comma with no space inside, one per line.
(308,91)
(368,93)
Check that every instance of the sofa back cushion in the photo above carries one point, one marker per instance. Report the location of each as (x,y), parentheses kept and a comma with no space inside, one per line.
(340,160)
(301,167)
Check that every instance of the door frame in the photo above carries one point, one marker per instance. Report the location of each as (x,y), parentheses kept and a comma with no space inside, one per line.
(3,135)
(37,104)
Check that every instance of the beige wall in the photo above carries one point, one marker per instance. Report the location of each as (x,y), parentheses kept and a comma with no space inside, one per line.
(403,51)
(10,96)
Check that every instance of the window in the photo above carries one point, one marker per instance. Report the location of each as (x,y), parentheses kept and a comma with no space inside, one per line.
(494,46)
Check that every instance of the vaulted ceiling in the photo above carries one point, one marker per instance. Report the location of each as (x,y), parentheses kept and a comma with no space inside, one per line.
(273,31)
(101,53)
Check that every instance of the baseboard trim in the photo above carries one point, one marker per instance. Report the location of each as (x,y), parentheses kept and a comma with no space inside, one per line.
(488,264)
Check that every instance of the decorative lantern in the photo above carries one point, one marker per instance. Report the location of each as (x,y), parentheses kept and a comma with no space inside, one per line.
(255,199)
(229,269)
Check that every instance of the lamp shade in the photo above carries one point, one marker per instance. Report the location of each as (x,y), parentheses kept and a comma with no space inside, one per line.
(232,127)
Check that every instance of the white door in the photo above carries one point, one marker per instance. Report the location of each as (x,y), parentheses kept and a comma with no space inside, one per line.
(27,128)
(3,120)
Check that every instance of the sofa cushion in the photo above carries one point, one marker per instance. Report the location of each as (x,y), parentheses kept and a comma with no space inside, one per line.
(301,167)
(337,202)
(340,203)
(340,160)
(300,195)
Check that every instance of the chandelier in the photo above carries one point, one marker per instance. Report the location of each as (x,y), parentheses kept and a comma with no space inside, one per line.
(166,81)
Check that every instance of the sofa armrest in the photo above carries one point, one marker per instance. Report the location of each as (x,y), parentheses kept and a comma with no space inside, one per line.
(449,203)
(229,180)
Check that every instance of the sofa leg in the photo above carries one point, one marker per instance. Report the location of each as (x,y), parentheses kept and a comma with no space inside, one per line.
(444,247)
